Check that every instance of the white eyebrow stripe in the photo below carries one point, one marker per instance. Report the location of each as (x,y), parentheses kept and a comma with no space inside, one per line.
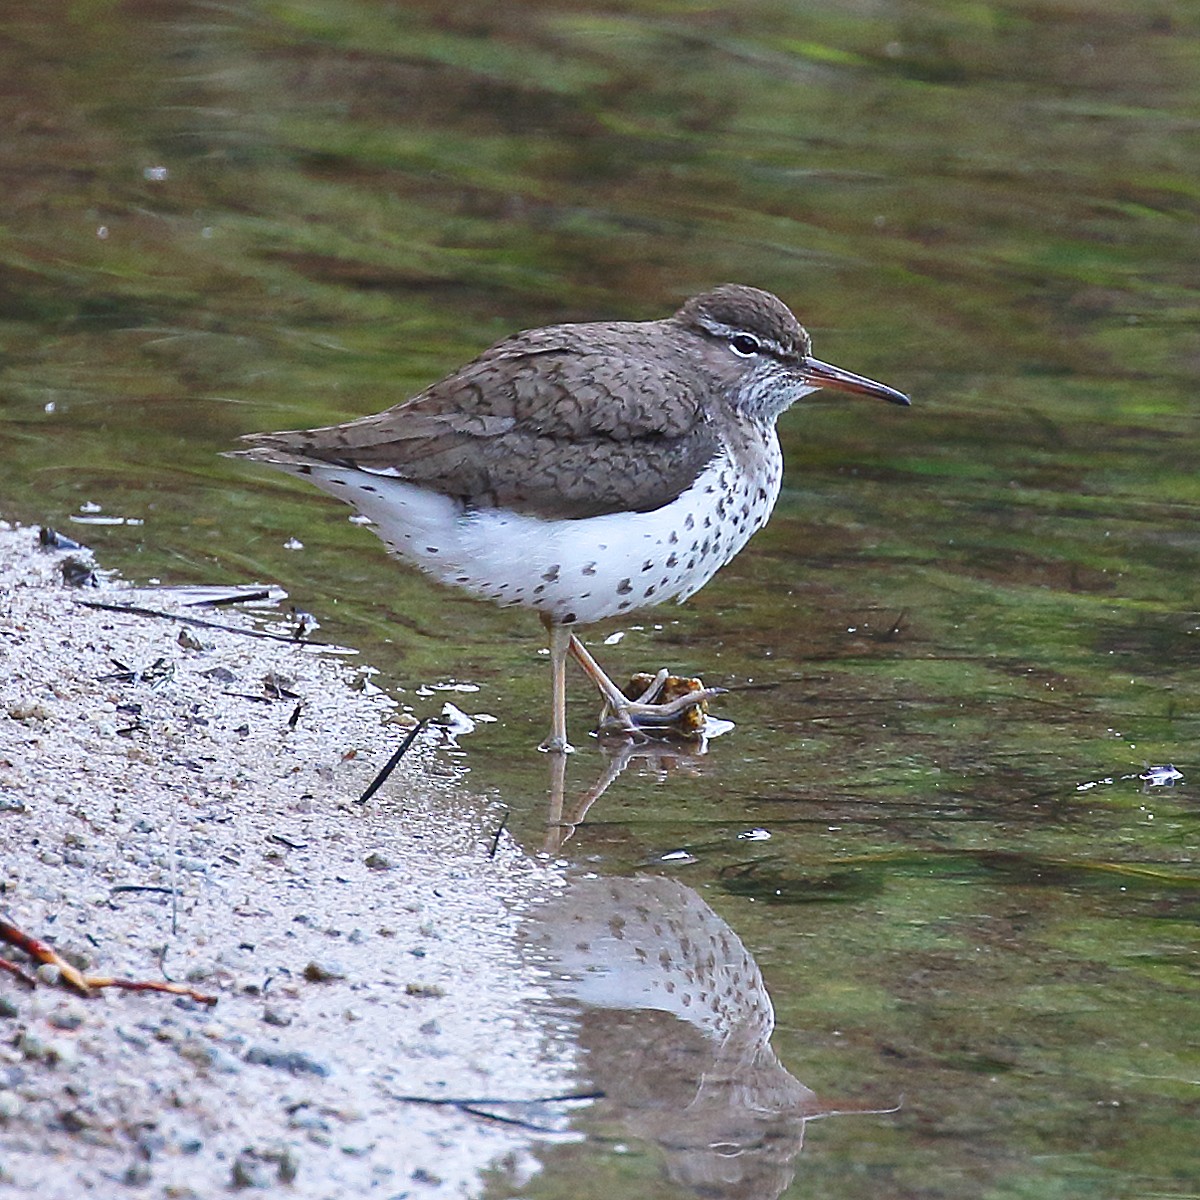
(720,330)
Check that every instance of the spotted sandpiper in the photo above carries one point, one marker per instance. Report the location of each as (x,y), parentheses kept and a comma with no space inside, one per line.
(583,470)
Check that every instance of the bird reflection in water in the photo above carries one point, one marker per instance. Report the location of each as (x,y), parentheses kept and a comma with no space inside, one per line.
(675,1024)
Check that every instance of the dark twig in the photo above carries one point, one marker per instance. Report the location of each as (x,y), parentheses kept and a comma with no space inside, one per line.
(455,1101)
(473,1106)
(138,611)
(225,601)
(155,673)
(391,763)
(140,887)
(283,841)
(499,831)
(501,1119)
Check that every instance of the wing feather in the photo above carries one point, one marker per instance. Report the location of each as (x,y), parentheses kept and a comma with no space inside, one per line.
(570,421)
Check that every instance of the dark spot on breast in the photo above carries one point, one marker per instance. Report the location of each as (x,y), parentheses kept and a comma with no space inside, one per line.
(550,575)
(623,605)
(590,569)
(541,587)
(624,587)
(673,559)
(431,549)
(648,565)
(674,538)
(689,522)
(708,522)
(366,487)
(650,591)
(568,619)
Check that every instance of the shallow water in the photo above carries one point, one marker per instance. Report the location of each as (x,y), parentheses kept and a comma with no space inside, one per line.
(968,627)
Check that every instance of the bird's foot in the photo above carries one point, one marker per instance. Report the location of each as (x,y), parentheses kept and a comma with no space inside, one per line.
(664,703)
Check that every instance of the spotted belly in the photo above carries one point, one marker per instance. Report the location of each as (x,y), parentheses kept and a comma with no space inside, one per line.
(577,570)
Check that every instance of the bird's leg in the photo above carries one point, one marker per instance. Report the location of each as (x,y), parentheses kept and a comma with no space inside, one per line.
(560,641)
(632,716)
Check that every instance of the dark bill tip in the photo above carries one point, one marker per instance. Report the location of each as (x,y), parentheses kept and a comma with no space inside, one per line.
(825,375)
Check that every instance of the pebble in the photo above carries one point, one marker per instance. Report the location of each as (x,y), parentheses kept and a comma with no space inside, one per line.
(53,1051)
(324,970)
(74,1120)
(425,991)
(308,1120)
(262,1168)
(296,1062)
(68,1016)
(276,1016)
(378,861)
(137,1174)
(132,1038)
(249,1171)
(212,1057)
(150,1143)
(10,1106)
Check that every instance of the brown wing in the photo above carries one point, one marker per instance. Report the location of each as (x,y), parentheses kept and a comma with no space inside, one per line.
(569,421)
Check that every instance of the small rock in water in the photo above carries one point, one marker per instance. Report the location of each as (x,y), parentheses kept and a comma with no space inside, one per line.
(1164,776)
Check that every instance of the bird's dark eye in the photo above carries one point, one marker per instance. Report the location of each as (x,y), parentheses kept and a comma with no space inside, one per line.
(744,344)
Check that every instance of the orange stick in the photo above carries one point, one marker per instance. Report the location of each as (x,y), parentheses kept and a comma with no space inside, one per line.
(73,977)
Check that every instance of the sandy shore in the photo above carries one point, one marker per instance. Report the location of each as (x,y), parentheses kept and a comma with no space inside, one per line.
(359,952)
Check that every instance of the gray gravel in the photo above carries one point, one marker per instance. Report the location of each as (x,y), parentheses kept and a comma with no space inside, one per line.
(359,952)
